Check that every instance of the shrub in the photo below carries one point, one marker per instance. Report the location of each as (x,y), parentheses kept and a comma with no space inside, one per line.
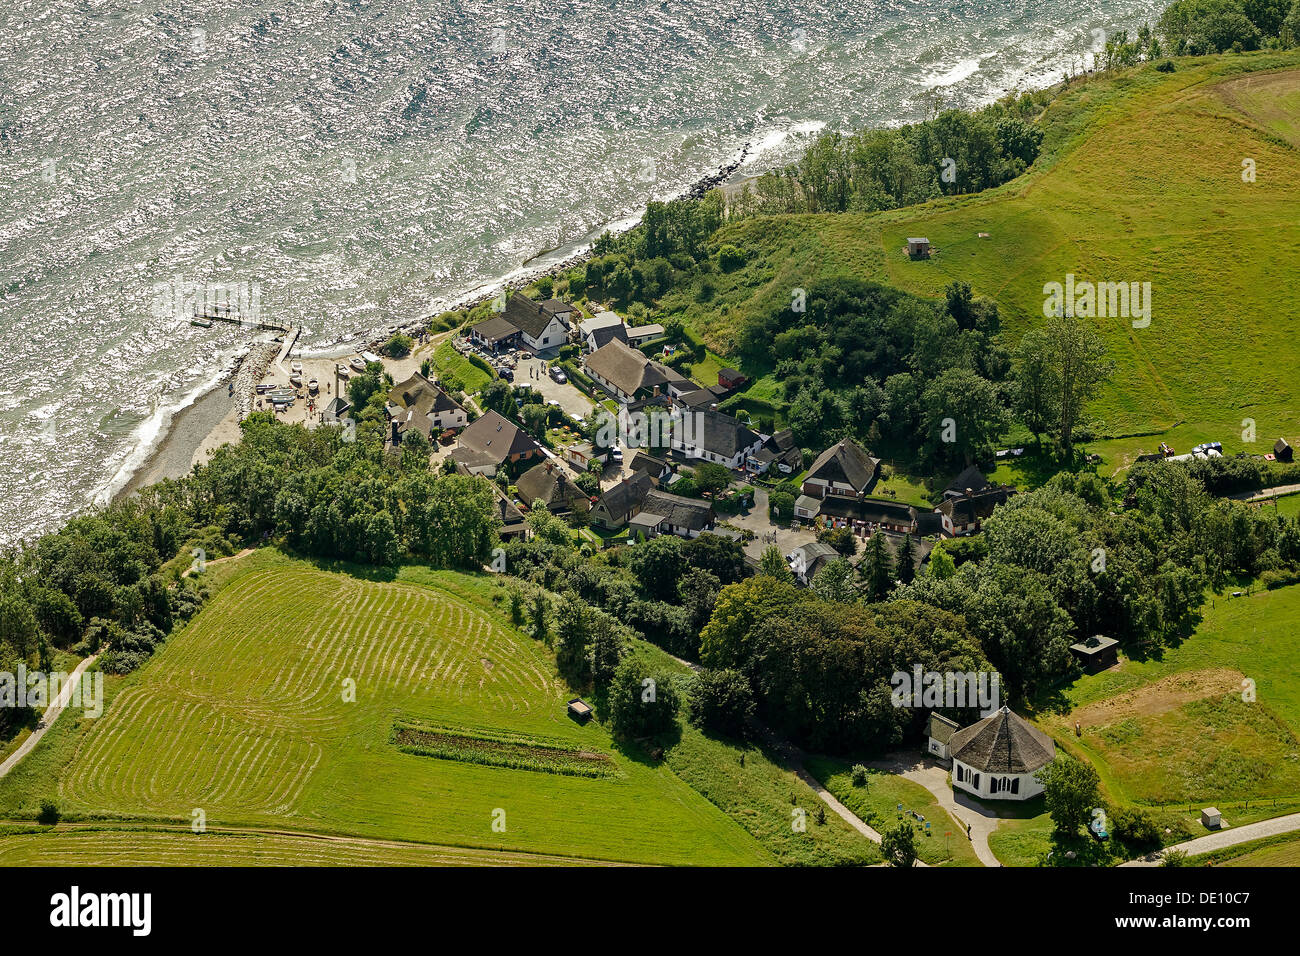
(858,775)
(49,814)
(1134,828)
(729,258)
(722,701)
(399,346)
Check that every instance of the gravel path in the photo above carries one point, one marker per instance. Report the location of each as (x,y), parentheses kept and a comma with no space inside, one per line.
(51,715)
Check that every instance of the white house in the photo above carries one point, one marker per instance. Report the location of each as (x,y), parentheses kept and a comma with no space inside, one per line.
(600,329)
(997,757)
(710,435)
(541,325)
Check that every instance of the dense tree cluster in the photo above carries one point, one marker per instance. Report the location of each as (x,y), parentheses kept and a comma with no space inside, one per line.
(874,169)
(865,361)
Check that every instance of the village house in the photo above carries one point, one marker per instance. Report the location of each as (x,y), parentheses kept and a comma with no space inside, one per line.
(621,503)
(844,470)
(546,485)
(969,501)
(535,325)
(778,451)
(938,731)
(581,455)
(1096,653)
(806,560)
(418,403)
(513,524)
(628,374)
(997,757)
(490,442)
(715,436)
(662,513)
(657,468)
(495,333)
(600,330)
(638,335)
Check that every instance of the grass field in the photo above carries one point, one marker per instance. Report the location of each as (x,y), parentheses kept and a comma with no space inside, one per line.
(745,780)
(1281,850)
(1177,729)
(877,803)
(245,714)
(1140,180)
(122,847)
(449,362)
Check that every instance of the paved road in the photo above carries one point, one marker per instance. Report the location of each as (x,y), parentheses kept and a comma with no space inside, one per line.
(1266,493)
(962,808)
(51,714)
(1224,838)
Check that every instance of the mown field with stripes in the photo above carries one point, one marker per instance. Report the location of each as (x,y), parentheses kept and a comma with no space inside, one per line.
(101,847)
(275,706)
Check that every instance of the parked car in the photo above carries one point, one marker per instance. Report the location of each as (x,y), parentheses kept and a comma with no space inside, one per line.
(616,455)
(558,374)
(506,374)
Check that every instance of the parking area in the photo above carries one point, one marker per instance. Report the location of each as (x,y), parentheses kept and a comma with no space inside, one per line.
(533,371)
(765,532)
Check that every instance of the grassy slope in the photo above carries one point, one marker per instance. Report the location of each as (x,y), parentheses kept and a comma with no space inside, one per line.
(761,795)
(1140,180)
(242,714)
(110,846)
(877,805)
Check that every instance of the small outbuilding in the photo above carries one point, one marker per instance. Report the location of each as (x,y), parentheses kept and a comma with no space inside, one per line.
(579,710)
(1211,819)
(1096,653)
(1282,451)
(918,247)
(938,730)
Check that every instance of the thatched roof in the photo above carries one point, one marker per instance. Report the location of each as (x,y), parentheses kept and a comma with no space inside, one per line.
(1002,743)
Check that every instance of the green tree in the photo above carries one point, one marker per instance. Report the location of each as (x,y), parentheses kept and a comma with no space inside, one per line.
(877,568)
(898,845)
(1071,789)
(773,564)
(834,581)
(1036,392)
(722,701)
(1081,367)
(642,702)
(906,560)
(711,478)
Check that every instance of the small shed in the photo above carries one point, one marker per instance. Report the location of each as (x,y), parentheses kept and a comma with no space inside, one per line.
(1211,819)
(579,710)
(918,247)
(1096,653)
(730,378)
(1282,451)
(938,729)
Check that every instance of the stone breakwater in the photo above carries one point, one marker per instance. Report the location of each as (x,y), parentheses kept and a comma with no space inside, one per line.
(251,371)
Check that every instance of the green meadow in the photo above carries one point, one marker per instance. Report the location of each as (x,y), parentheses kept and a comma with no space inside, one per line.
(1140,180)
(1182,729)
(275,708)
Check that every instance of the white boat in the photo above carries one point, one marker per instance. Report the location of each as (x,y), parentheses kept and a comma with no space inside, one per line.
(295,366)
(313,386)
(344,372)
(358,363)
(295,380)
